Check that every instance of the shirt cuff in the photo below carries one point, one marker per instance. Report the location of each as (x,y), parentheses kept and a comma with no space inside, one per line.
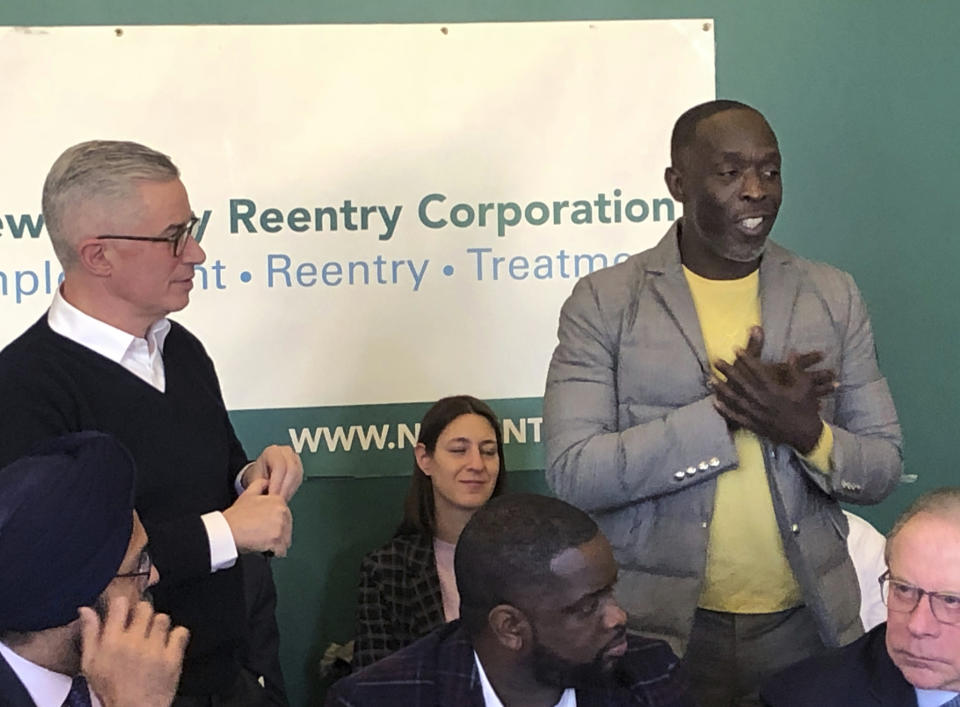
(819,456)
(223,549)
(238,482)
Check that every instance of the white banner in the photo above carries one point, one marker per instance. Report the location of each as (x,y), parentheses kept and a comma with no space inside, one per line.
(390,213)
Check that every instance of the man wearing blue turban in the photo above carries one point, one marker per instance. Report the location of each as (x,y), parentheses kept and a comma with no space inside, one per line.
(74,627)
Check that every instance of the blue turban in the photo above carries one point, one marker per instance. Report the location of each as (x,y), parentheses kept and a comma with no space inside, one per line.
(66,517)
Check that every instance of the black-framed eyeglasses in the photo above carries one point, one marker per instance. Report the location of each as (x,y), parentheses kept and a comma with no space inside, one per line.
(903,598)
(178,238)
(144,567)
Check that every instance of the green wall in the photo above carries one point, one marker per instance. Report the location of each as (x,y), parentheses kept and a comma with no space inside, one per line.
(864,98)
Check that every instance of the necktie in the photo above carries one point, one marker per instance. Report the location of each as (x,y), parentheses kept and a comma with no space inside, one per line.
(79,695)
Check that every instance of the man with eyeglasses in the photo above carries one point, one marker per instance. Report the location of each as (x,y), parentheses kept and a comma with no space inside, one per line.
(914,658)
(105,357)
(75,629)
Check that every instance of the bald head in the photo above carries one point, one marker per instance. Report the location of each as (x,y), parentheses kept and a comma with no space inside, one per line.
(685,129)
(508,547)
(942,503)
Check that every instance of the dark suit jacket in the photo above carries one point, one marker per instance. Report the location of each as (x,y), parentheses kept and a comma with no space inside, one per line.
(860,674)
(399,598)
(263,648)
(12,691)
(439,671)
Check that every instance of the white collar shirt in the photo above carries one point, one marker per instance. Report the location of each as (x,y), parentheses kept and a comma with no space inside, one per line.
(143,357)
(490,699)
(45,687)
(933,698)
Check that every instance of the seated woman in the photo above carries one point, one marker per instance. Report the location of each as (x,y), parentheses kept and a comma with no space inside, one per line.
(407,587)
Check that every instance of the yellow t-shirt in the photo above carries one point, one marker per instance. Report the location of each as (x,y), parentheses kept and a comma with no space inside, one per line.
(747,570)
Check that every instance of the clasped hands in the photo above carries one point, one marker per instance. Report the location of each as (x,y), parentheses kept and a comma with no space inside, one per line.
(260,518)
(779,401)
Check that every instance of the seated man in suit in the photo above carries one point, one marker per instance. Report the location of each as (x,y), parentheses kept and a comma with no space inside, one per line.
(70,540)
(538,624)
(914,658)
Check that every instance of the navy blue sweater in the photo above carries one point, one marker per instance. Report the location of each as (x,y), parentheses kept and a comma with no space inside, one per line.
(187,456)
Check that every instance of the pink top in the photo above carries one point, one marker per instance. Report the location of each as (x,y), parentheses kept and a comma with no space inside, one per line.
(443,554)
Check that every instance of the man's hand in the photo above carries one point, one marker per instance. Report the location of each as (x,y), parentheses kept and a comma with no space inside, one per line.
(260,521)
(779,401)
(132,658)
(280,466)
(754,348)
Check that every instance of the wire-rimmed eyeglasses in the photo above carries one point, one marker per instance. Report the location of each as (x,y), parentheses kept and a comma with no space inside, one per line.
(144,567)
(902,597)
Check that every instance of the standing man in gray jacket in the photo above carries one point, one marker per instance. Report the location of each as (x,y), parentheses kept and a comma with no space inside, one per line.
(709,402)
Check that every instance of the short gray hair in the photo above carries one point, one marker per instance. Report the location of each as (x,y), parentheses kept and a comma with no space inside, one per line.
(943,502)
(91,170)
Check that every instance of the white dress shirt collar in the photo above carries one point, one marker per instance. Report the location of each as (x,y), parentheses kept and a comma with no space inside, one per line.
(144,359)
(45,687)
(933,698)
(490,699)
(141,356)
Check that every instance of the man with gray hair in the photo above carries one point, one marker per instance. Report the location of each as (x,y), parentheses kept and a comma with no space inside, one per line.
(105,357)
(914,658)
